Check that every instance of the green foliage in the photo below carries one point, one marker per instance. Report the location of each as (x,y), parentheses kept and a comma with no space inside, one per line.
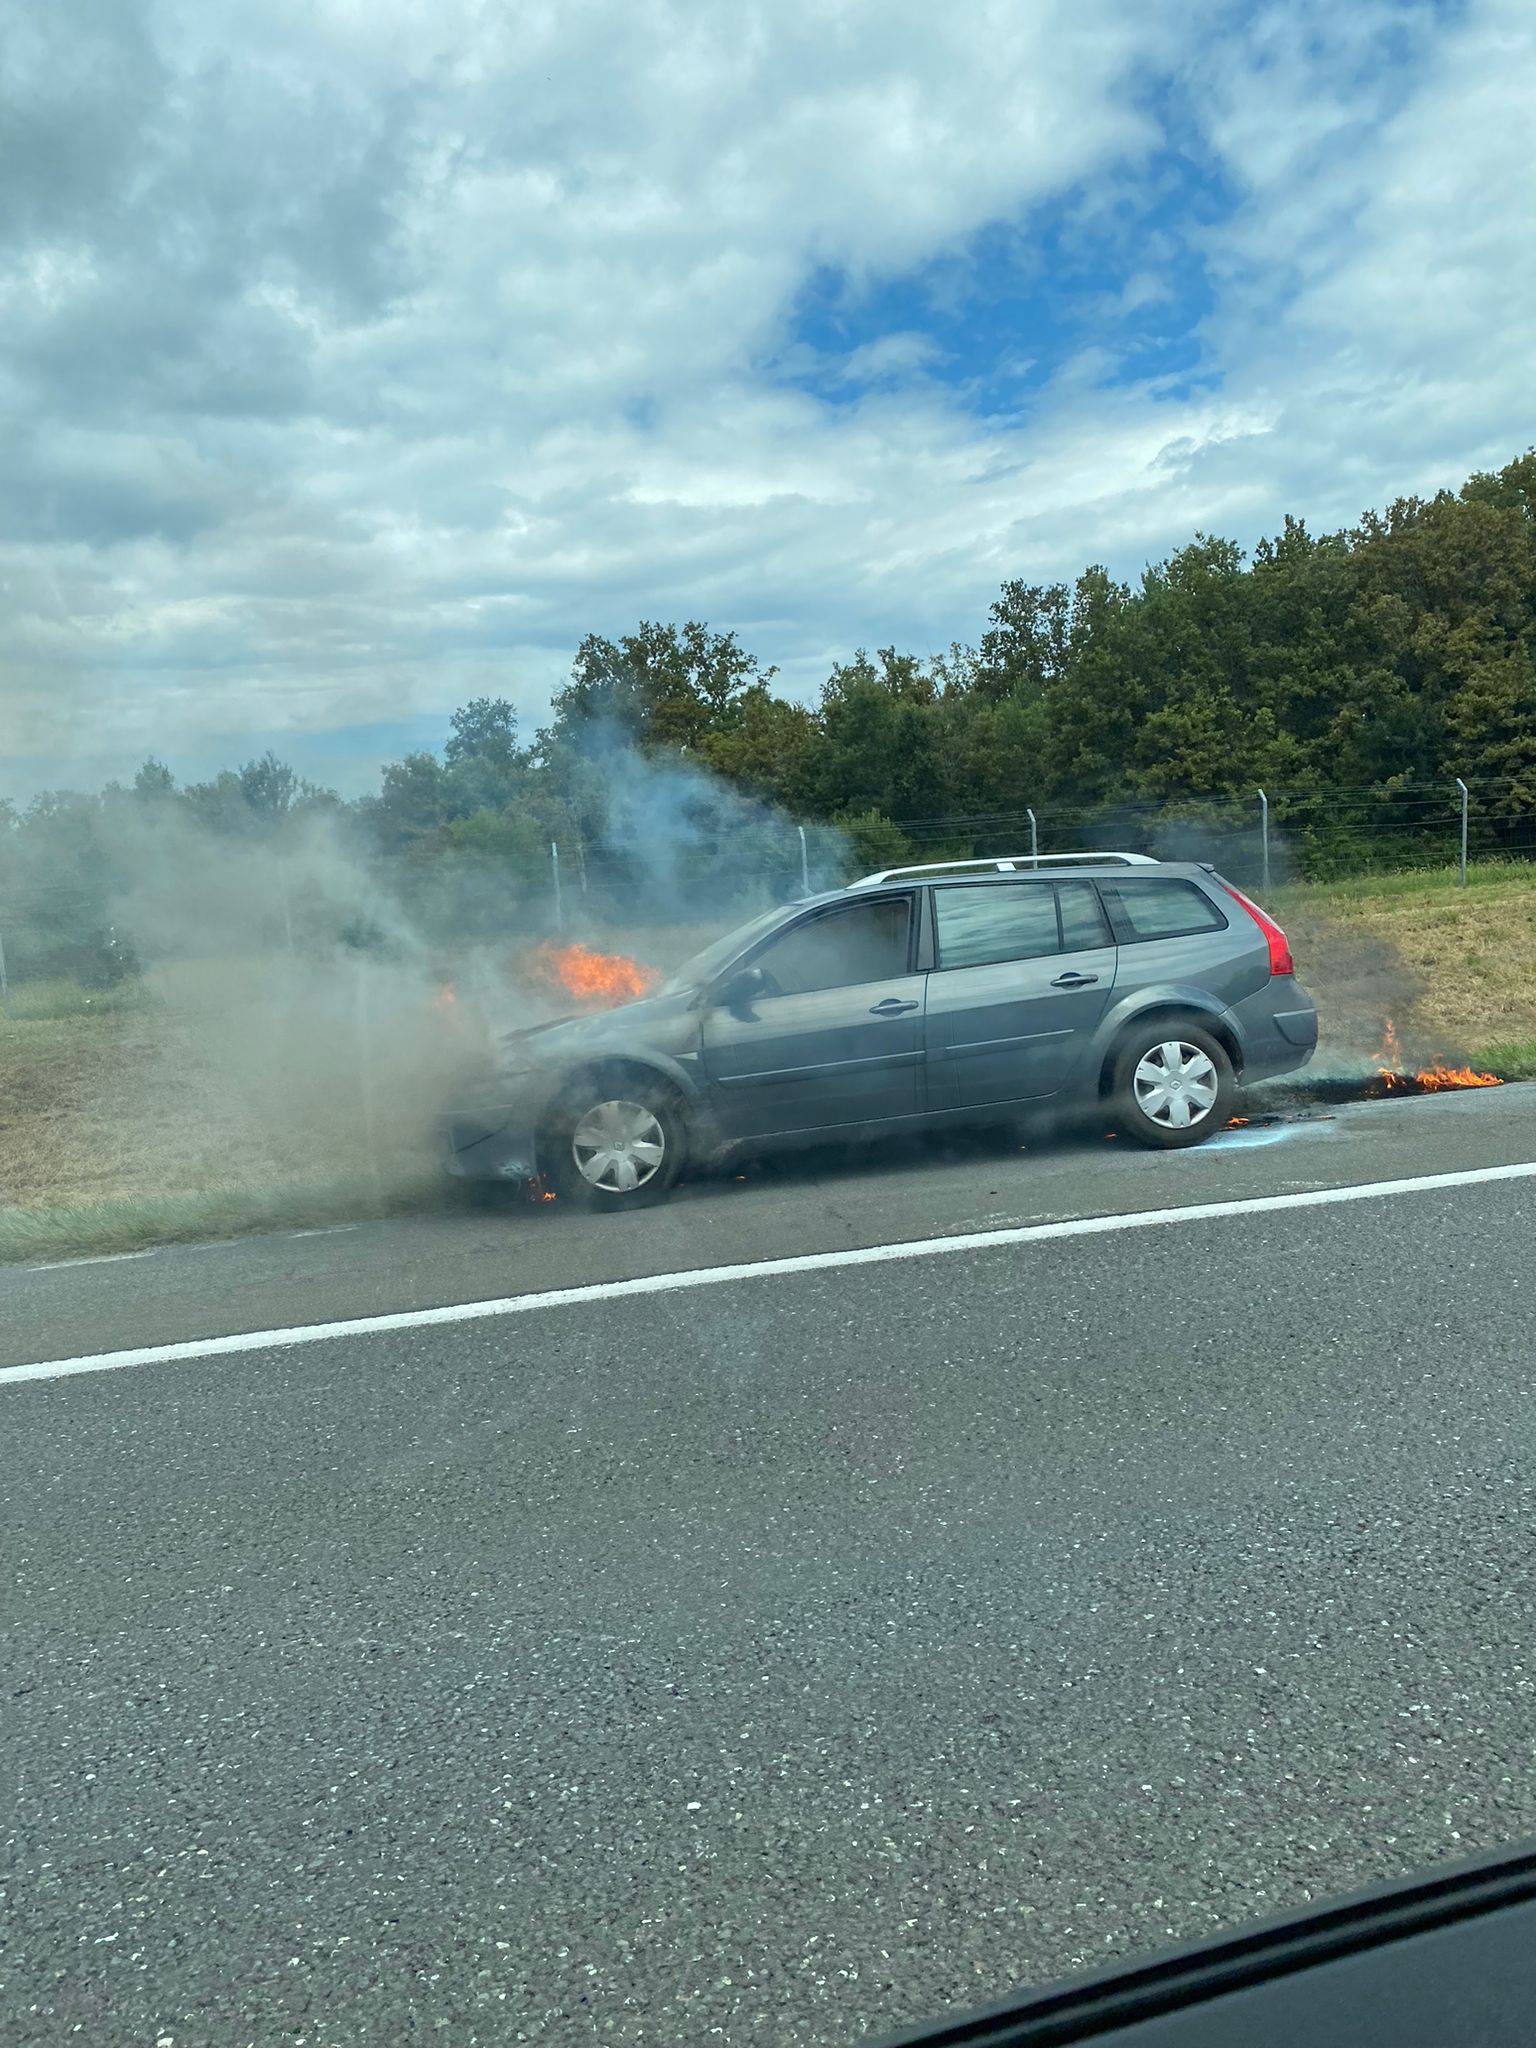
(659,686)
(873,842)
(1352,674)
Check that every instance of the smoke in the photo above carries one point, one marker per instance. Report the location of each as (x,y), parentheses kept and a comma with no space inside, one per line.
(310,1005)
(663,840)
(297,1025)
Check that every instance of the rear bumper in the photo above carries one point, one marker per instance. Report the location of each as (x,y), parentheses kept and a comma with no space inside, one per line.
(1276,1028)
(1298,1027)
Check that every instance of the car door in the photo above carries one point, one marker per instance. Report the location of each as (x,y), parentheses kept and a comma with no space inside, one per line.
(1023,968)
(835,1036)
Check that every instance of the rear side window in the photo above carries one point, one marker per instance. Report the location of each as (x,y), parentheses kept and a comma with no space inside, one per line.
(1160,909)
(981,923)
(1082,917)
(860,942)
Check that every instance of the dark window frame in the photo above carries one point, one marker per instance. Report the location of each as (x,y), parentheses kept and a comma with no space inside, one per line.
(1054,884)
(1125,936)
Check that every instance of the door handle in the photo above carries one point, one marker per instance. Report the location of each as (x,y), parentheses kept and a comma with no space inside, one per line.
(893,1006)
(1074,980)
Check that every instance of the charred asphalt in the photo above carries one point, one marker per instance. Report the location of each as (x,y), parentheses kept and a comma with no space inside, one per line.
(777,1661)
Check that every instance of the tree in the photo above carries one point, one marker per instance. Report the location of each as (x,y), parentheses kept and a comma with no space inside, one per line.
(415,802)
(659,686)
(879,738)
(873,841)
(1027,646)
(484,733)
(154,783)
(768,748)
(270,789)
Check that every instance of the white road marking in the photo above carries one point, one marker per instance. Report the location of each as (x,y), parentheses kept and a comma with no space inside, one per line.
(95,1259)
(760,1269)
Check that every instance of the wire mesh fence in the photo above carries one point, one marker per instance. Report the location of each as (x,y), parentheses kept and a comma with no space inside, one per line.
(89,925)
(1258,839)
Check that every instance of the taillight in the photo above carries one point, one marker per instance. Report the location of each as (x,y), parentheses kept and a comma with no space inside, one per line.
(1280,961)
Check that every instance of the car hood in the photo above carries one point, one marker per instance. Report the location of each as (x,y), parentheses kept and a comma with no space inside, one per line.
(651,1020)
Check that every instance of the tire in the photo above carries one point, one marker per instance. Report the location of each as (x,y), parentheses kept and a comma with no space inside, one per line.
(648,1140)
(1146,1109)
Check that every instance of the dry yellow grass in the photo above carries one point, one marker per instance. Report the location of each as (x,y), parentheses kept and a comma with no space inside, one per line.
(1455,969)
(226,1094)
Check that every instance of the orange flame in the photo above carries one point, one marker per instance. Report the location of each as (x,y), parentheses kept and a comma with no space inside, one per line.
(599,980)
(1426,1080)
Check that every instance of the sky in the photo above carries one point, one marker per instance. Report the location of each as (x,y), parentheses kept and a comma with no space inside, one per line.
(359,356)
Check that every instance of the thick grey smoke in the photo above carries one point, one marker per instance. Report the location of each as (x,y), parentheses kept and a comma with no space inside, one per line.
(310,1006)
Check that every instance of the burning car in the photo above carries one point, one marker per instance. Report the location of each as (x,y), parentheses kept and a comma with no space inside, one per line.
(919,997)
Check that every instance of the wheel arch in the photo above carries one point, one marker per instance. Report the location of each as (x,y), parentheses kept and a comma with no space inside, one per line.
(618,1067)
(1195,1007)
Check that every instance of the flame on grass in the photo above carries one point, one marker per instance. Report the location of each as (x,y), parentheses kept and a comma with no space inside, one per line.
(1394,1079)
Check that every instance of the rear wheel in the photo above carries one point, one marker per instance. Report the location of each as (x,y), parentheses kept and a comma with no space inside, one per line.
(614,1142)
(1173,1084)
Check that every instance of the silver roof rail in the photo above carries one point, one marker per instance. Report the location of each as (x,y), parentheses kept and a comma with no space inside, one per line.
(1007,864)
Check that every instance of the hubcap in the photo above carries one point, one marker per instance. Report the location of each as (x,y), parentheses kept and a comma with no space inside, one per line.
(618,1146)
(1176,1084)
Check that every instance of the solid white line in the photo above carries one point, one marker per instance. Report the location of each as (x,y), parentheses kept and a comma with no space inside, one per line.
(715,1276)
(95,1259)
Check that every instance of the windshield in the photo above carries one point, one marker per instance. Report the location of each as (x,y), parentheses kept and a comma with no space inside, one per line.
(701,968)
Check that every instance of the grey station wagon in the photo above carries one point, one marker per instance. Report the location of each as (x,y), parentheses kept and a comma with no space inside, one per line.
(916,998)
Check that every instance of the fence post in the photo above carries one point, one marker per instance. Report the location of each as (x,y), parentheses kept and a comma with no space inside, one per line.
(1034,836)
(5,986)
(554,869)
(805,866)
(1264,838)
(365,1077)
(1463,788)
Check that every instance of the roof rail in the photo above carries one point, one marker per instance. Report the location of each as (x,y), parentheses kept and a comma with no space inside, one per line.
(1006,864)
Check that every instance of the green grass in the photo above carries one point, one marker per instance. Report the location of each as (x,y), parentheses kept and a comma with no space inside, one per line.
(66,1230)
(1516,1062)
(45,1001)
(1413,885)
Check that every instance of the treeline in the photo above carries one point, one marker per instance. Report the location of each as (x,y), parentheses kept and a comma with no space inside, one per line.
(1393,656)
(1351,674)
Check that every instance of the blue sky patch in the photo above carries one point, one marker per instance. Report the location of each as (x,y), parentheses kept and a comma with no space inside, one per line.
(1113,280)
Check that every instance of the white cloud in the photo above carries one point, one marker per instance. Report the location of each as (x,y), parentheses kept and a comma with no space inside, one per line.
(362,357)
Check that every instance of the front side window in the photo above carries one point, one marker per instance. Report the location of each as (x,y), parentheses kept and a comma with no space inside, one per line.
(1160,909)
(855,943)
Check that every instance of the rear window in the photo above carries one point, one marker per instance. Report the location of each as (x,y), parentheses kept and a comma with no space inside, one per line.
(984,922)
(1161,909)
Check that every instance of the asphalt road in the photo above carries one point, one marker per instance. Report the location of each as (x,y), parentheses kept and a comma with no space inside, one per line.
(781,1660)
(797,1205)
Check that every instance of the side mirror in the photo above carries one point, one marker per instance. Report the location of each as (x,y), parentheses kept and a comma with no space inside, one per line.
(740,990)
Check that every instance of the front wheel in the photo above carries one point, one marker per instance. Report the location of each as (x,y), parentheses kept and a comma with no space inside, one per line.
(1173,1085)
(614,1144)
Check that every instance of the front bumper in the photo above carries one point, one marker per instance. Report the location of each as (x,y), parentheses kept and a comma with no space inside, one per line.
(495,1143)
